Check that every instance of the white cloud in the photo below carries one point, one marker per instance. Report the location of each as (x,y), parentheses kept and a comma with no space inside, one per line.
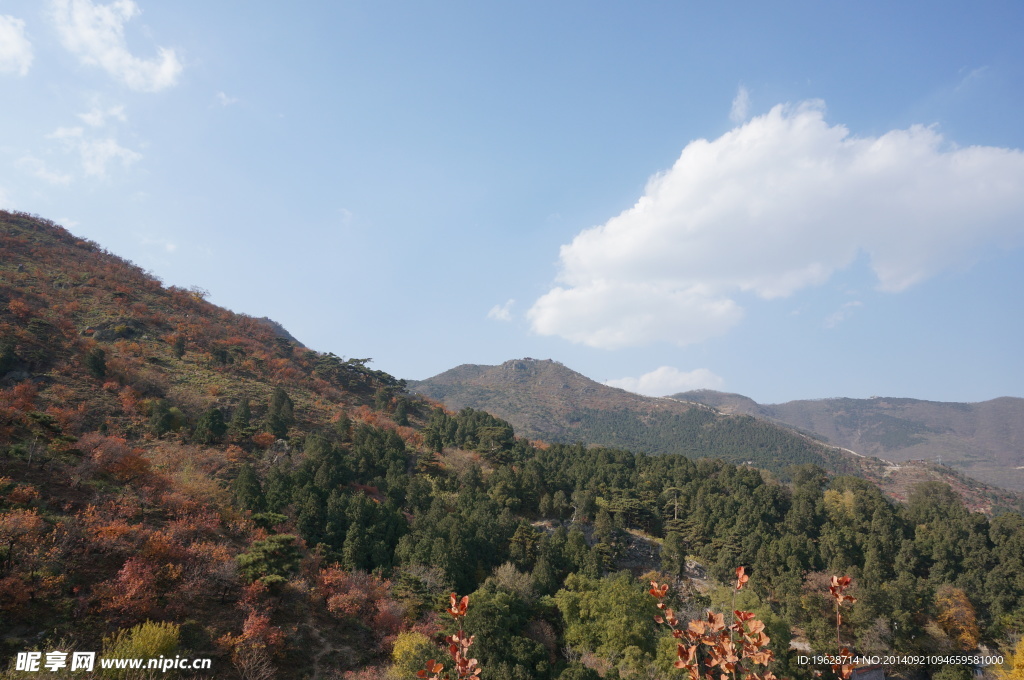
(97,117)
(95,153)
(615,314)
(225,100)
(95,34)
(15,49)
(38,169)
(772,207)
(842,314)
(740,106)
(501,312)
(668,380)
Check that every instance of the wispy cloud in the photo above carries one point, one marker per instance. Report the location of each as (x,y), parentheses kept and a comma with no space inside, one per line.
(971,77)
(95,34)
(668,380)
(96,154)
(37,168)
(15,48)
(842,314)
(740,106)
(97,116)
(225,100)
(501,312)
(774,206)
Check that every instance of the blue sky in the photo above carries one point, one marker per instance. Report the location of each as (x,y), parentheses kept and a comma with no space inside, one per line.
(786,200)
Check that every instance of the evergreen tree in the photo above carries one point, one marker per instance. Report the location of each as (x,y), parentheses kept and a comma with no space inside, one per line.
(178,347)
(240,420)
(160,418)
(271,560)
(280,414)
(673,555)
(354,552)
(7,357)
(96,362)
(382,398)
(210,428)
(278,487)
(247,489)
(343,427)
(402,412)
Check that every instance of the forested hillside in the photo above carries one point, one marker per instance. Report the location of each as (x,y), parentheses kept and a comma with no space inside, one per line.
(545,400)
(291,514)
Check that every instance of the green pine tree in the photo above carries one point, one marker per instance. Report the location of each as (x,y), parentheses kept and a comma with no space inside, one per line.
(247,490)
(96,362)
(210,428)
(280,414)
(240,420)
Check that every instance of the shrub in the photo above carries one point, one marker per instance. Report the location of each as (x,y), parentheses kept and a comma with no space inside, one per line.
(147,640)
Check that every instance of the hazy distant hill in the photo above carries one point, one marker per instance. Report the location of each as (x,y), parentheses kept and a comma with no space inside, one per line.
(985,439)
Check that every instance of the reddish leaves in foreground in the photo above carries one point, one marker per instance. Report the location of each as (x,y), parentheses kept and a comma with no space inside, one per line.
(840,584)
(458,649)
(741,577)
(710,650)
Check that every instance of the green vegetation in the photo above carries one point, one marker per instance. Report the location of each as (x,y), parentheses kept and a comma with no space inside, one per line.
(135,511)
(149,640)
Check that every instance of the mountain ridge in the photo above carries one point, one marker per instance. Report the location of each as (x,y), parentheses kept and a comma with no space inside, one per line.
(544,399)
(983,439)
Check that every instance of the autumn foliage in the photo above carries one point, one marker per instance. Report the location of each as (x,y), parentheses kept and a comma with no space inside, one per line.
(708,649)
(114,511)
(836,589)
(458,646)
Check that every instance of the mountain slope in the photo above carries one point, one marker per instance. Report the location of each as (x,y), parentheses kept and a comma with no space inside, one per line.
(128,413)
(985,440)
(543,399)
(291,514)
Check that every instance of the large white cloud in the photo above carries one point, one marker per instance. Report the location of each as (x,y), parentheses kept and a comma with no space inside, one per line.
(95,34)
(667,380)
(15,49)
(771,207)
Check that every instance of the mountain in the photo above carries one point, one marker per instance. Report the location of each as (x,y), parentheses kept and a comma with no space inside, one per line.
(540,397)
(545,400)
(138,424)
(984,440)
(182,480)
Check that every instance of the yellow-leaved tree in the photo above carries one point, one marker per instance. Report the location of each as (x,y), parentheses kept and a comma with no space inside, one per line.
(956,617)
(1014,669)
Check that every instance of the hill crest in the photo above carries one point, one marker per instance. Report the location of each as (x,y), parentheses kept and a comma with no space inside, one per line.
(982,439)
